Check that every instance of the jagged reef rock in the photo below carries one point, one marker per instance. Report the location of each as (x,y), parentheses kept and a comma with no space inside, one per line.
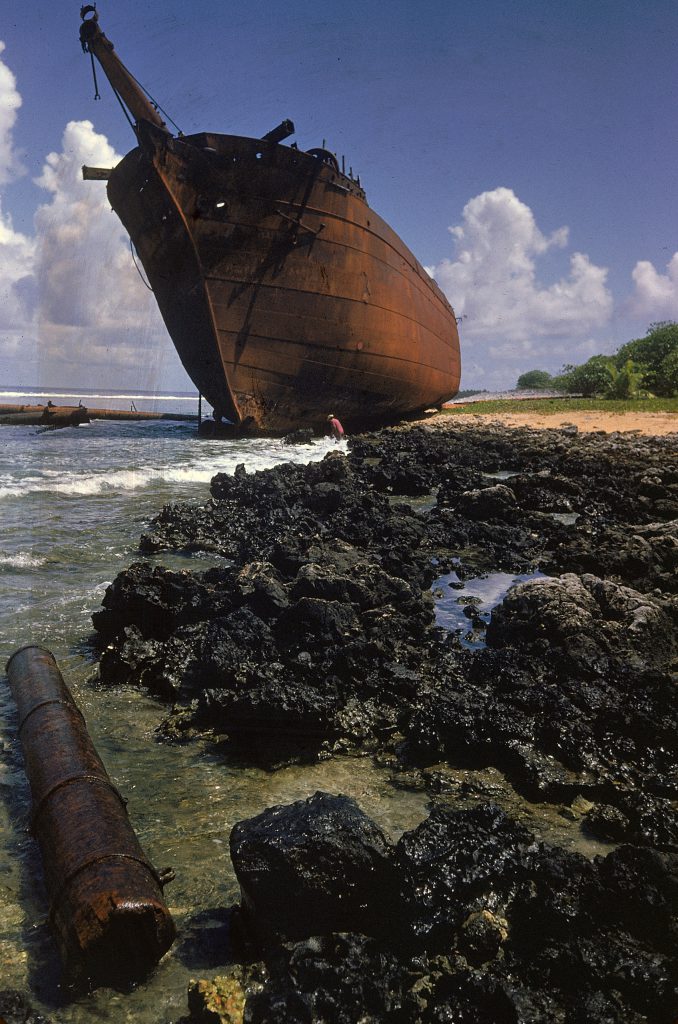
(15,1009)
(317,635)
(587,621)
(314,867)
(320,633)
(646,556)
(488,503)
(574,694)
(489,924)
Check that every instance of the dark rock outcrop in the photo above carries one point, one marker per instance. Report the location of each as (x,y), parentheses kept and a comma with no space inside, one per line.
(588,622)
(489,926)
(315,867)
(15,1009)
(321,633)
(319,636)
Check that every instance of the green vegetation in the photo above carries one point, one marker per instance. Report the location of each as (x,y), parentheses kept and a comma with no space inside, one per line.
(535,379)
(656,355)
(591,378)
(471,391)
(558,406)
(641,369)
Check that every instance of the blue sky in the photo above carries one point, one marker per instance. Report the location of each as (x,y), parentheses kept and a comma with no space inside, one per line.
(526,152)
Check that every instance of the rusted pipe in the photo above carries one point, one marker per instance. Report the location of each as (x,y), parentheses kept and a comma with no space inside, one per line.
(106,907)
(45,417)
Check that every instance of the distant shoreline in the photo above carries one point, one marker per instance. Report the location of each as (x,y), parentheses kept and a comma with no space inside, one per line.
(650,424)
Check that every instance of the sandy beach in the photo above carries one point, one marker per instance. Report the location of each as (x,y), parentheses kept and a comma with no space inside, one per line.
(647,423)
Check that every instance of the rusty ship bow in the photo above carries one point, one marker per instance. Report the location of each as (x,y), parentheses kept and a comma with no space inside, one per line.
(285,295)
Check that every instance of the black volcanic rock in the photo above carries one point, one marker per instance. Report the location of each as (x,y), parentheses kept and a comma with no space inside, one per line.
(314,867)
(157,600)
(645,557)
(639,818)
(587,621)
(322,629)
(488,503)
(489,924)
(319,637)
(15,1009)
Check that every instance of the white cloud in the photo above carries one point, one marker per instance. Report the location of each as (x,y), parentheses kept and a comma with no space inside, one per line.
(514,321)
(492,282)
(16,250)
(78,235)
(10,101)
(656,295)
(72,306)
(93,309)
(16,267)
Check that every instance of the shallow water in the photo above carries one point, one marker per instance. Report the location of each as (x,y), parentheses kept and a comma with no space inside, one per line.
(557,824)
(183,801)
(73,505)
(452,596)
(504,474)
(566,518)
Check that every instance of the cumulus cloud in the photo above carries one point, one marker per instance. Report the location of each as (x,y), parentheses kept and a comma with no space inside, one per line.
(492,283)
(16,268)
(71,301)
(16,249)
(656,295)
(83,267)
(93,308)
(10,101)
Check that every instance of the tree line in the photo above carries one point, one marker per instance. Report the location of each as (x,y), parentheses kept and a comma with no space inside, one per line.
(643,368)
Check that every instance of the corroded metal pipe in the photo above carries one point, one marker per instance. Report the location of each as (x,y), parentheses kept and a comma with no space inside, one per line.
(45,417)
(106,907)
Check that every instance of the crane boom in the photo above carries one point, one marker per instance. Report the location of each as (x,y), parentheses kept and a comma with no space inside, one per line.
(125,85)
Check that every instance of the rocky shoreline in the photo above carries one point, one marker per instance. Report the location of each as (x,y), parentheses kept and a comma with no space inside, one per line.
(318,638)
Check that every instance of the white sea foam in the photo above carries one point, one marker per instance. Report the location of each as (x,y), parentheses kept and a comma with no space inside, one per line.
(20,560)
(107,396)
(211,458)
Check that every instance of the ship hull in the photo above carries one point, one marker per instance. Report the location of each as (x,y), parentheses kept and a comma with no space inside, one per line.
(286,296)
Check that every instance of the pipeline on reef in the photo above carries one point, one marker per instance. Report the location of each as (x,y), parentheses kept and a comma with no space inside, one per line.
(43,416)
(106,906)
(73,415)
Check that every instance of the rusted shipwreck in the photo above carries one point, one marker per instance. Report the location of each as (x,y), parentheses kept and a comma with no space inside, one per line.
(285,294)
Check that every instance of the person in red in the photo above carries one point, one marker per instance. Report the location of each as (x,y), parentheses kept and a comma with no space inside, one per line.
(336,429)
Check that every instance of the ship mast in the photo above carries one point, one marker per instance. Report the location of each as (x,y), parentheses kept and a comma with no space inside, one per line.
(123,82)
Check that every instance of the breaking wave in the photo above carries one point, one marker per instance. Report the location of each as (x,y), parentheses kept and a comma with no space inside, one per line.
(20,560)
(256,455)
(120,396)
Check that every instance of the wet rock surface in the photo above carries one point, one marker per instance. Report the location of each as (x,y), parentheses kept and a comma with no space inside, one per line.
(489,925)
(318,636)
(14,1009)
(313,868)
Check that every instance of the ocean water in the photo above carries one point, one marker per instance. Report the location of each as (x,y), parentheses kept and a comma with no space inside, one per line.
(75,501)
(73,504)
(184,402)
